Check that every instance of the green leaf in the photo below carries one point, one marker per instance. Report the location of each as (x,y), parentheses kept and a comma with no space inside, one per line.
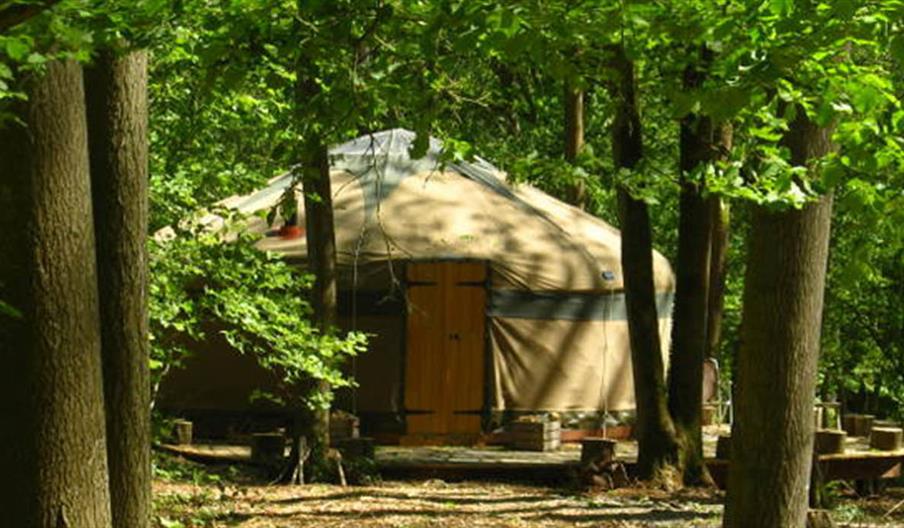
(896,48)
(36,58)
(8,310)
(17,49)
(845,8)
(832,174)
(781,7)
(866,98)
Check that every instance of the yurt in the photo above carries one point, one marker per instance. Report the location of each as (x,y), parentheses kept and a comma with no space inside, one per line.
(483,298)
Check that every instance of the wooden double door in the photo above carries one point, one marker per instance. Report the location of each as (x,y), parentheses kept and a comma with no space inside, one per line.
(445,352)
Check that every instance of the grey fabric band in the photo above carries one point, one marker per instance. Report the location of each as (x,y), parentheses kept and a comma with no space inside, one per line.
(567,306)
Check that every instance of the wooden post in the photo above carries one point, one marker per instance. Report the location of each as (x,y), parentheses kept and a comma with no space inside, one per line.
(183,432)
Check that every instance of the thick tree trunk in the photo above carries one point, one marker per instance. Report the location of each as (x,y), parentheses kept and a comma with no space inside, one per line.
(720,222)
(53,455)
(574,139)
(116,95)
(655,432)
(772,439)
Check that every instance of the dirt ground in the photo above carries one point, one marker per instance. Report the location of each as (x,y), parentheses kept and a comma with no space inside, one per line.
(420,504)
(429,503)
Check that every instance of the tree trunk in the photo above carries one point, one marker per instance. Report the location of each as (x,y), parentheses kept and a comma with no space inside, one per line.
(53,455)
(772,440)
(655,432)
(691,296)
(574,139)
(321,242)
(116,91)
(701,142)
(720,221)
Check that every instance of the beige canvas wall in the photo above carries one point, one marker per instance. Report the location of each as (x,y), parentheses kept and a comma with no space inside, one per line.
(563,365)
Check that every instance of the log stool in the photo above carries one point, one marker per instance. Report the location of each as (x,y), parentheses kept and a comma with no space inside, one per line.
(829,441)
(886,438)
(183,432)
(858,424)
(599,469)
(596,450)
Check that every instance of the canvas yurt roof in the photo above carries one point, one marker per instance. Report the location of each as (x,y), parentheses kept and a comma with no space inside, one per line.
(389,207)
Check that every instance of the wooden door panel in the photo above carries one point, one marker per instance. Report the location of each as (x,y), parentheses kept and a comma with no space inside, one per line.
(426,347)
(465,305)
(446,346)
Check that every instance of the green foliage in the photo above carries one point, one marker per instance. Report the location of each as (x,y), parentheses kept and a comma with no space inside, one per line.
(9,311)
(864,324)
(207,280)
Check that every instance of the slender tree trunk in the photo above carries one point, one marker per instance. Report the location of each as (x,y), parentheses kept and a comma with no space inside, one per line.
(772,439)
(321,242)
(720,220)
(655,432)
(321,245)
(574,139)
(116,95)
(701,142)
(53,455)
(689,316)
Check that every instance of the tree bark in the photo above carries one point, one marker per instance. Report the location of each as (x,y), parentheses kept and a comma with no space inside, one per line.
(720,220)
(691,296)
(321,247)
(116,95)
(321,243)
(772,439)
(701,142)
(53,454)
(574,139)
(655,432)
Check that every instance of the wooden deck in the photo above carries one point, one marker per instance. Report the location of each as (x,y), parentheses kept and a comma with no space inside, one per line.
(857,463)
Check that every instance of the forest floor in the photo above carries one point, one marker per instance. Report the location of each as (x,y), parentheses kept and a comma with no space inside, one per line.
(188,495)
